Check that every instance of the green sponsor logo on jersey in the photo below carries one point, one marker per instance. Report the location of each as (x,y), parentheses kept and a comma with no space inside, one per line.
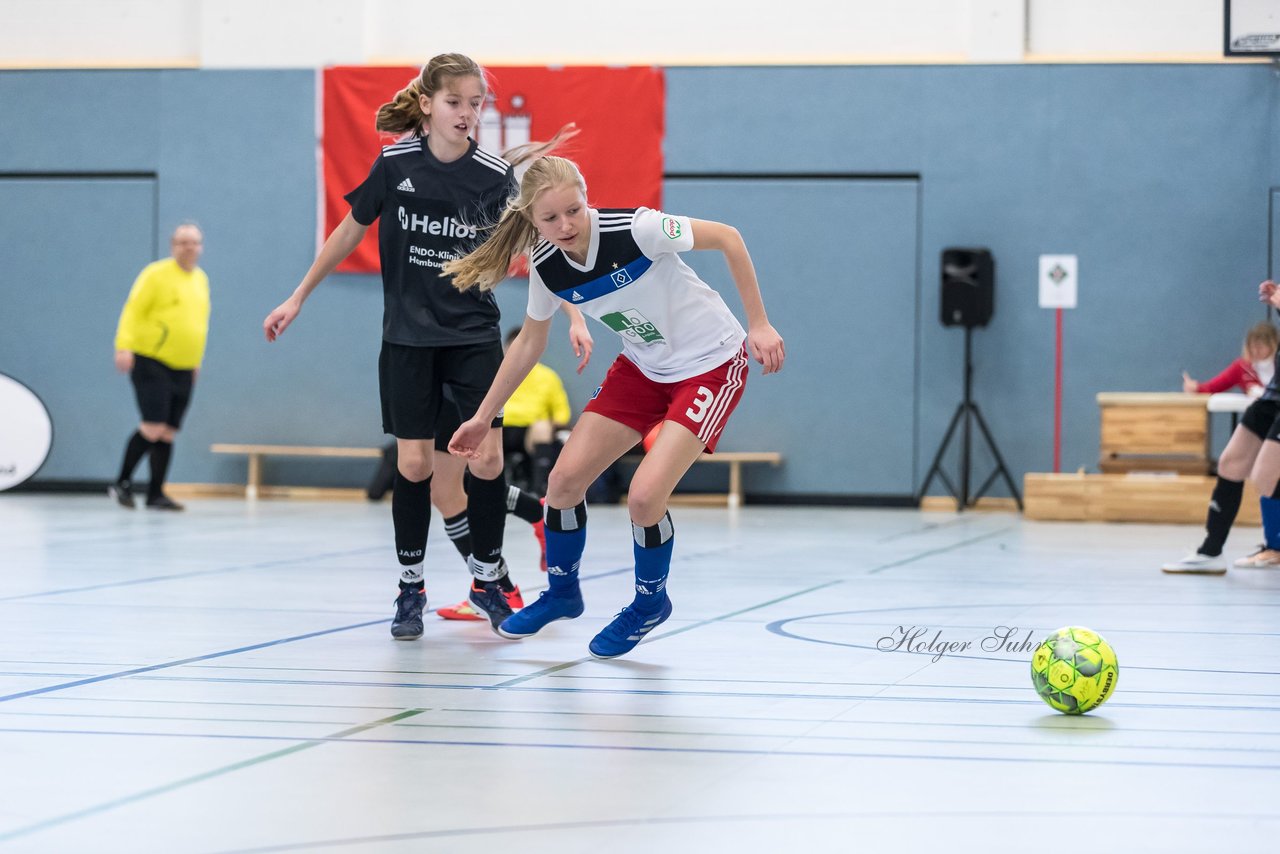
(671,227)
(632,324)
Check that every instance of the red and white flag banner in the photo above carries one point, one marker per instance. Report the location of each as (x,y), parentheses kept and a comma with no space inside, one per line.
(619,113)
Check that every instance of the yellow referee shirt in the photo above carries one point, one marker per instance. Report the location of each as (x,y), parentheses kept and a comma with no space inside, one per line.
(166,316)
(540,397)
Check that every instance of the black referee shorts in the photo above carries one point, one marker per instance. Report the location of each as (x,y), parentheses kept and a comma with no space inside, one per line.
(163,393)
(412,382)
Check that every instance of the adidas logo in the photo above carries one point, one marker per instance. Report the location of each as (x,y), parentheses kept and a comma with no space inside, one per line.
(648,626)
(406,185)
(576,296)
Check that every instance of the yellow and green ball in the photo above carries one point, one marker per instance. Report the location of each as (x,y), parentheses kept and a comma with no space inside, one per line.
(1074,670)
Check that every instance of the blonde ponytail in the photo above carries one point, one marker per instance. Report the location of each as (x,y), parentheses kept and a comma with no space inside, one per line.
(515,232)
(521,154)
(487,265)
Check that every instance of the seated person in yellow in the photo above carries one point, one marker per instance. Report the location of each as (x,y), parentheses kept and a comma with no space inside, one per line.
(534,412)
(160,343)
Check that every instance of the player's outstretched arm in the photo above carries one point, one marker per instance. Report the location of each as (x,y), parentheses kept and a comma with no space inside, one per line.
(341,243)
(763,341)
(579,335)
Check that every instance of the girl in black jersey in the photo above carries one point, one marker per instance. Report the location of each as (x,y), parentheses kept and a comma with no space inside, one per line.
(431,189)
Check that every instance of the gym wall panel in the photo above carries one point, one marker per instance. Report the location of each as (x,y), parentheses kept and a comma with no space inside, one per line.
(112,128)
(1273,269)
(845,304)
(72,246)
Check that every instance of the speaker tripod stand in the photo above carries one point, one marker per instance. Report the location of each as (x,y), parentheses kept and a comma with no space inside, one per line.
(967,412)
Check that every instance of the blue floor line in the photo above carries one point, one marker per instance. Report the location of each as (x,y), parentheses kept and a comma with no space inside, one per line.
(178,663)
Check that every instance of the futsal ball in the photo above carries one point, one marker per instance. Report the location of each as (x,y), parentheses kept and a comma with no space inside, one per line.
(1074,670)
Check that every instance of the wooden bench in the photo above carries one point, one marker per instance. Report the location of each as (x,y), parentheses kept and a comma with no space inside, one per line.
(255,453)
(735,460)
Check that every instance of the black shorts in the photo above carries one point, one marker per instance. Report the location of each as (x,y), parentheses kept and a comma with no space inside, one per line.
(513,439)
(163,393)
(1262,419)
(447,422)
(413,381)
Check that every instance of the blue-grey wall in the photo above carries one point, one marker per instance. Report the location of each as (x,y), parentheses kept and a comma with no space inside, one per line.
(1157,177)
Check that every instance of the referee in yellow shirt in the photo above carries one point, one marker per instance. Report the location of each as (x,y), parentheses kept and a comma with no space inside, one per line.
(159,343)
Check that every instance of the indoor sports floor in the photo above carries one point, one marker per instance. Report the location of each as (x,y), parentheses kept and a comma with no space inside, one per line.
(223,680)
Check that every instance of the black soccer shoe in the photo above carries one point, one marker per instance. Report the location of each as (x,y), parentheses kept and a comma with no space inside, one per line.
(407,623)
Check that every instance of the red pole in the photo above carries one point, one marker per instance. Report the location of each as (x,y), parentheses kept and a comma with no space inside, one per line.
(1057,398)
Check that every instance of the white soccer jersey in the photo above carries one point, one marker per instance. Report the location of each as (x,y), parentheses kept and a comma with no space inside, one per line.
(673,325)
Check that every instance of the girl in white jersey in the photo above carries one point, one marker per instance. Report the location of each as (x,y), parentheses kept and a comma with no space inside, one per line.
(684,360)
(434,185)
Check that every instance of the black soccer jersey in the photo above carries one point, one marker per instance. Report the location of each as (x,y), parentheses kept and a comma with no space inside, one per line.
(429,212)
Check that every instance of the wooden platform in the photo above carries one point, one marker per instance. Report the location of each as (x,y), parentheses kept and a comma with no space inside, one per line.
(1176,499)
(1154,431)
(948,504)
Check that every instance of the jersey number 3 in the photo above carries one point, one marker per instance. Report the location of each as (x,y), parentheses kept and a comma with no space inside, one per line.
(698,411)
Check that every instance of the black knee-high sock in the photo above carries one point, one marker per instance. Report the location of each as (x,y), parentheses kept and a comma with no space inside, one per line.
(544,457)
(161,453)
(1222,514)
(133,452)
(459,532)
(523,505)
(487,512)
(411,516)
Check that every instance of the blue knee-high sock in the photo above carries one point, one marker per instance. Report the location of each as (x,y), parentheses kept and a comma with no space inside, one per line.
(566,537)
(653,563)
(1271,522)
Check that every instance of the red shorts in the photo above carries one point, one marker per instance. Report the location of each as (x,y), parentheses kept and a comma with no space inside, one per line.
(701,404)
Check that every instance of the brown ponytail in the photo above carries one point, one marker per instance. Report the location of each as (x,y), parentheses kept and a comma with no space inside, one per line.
(403,114)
